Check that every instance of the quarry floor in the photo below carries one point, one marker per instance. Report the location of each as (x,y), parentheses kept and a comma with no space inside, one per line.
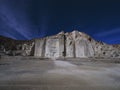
(39,74)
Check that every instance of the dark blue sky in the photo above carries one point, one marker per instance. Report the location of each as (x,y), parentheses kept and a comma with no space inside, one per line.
(27,19)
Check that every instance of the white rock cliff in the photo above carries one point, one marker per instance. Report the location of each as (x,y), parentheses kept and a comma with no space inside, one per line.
(70,45)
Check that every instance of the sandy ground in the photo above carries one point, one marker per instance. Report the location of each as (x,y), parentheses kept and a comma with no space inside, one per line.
(35,74)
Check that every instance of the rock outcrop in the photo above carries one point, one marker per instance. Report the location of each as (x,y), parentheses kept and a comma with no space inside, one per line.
(13,47)
(74,45)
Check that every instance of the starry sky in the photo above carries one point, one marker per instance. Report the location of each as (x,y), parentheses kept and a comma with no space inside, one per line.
(27,19)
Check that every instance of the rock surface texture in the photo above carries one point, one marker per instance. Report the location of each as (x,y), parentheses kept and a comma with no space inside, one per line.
(70,45)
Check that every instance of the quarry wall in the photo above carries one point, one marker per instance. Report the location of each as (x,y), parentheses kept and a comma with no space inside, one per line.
(50,47)
(70,45)
(63,45)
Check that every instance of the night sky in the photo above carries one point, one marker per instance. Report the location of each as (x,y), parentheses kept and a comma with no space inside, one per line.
(27,19)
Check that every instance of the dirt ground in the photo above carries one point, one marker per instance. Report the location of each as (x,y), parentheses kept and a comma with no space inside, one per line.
(38,74)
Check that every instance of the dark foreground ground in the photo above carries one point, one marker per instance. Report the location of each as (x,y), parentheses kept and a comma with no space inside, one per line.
(37,74)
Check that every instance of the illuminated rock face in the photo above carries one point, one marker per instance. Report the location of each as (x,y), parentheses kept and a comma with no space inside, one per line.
(50,47)
(74,44)
(78,45)
(70,45)
(39,47)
